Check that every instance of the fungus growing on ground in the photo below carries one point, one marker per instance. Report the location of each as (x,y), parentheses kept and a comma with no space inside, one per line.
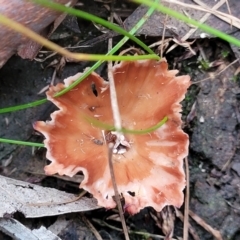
(148,167)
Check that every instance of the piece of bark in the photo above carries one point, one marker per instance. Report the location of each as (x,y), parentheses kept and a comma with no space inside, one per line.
(36,201)
(18,231)
(35,17)
(15,229)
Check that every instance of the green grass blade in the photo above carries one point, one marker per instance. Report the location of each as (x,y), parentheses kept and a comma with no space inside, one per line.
(94,57)
(23,106)
(97,124)
(204,27)
(108,127)
(62,51)
(90,17)
(85,74)
(3,140)
(94,67)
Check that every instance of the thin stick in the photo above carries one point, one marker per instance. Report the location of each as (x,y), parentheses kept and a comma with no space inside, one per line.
(113,95)
(232,20)
(217,235)
(203,7)
(229,65)
(118,125)
(58,203)
(186,204)
(143,234)
(163,34)
(90,226)
(202,20)
(190,227)
(229,10)
(110,152)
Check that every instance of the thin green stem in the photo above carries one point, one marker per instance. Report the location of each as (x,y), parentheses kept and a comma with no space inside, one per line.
(204,27)
(90,17)
(108,127)
(3,140)
(86,73)
(63,51)
(97,124)
(94,57)
(23,106)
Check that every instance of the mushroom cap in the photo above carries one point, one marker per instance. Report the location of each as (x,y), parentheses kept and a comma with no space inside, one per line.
(150,172)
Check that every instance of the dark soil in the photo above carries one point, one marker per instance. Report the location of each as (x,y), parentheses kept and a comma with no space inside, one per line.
(212,124)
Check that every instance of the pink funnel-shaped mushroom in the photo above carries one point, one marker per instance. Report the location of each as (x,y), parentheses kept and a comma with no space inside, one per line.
(148,167)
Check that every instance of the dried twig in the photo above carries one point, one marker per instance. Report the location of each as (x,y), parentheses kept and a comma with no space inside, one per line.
(190,227)
(229,10)
(144,234)
(90,226)
(232,20)
(59,203)
(117,196)
(113,95)
(117,124)
(229,65)
(202,20)
(163,34)
(207,227)
(186,205)
(203,7)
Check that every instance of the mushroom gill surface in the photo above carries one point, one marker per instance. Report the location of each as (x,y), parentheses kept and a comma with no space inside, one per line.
(148,167)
